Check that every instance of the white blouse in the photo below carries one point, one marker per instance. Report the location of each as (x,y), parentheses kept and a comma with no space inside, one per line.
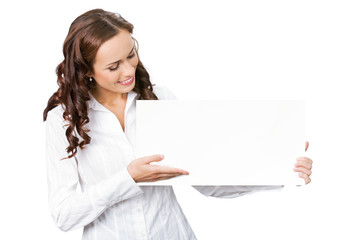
(111,205)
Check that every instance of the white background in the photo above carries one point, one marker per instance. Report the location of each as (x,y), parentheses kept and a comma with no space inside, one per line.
(201,50)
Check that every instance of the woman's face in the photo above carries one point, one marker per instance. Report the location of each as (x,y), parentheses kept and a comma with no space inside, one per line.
(115,63)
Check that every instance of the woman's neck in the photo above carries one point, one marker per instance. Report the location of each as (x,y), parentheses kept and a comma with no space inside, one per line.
(109,98)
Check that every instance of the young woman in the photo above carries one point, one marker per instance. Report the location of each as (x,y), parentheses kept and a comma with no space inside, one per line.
(90,138)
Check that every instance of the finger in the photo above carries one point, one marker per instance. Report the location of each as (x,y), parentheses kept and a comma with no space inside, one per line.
(167,176)
(305,177)
(152,158)
(304,162)
(306,145)
(170,170)
(163,177)
(303,170)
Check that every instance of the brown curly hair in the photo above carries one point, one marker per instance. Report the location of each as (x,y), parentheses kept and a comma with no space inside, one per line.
(86,34)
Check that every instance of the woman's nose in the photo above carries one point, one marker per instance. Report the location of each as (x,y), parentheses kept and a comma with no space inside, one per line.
(127,69)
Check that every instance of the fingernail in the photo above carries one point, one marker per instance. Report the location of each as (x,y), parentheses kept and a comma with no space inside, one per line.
(161,156)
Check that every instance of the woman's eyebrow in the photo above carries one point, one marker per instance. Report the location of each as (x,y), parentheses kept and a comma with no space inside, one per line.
(120,59)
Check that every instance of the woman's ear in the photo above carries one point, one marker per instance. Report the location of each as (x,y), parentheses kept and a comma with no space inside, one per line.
(89,74)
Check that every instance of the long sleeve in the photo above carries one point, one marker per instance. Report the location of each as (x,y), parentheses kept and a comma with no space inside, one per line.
(70,209)
(233,191)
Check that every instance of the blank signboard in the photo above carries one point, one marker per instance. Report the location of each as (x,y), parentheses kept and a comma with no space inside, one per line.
(223,142)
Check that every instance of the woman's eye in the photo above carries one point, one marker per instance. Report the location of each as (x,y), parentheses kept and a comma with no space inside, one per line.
(114,68)
(131,56)
(117,65)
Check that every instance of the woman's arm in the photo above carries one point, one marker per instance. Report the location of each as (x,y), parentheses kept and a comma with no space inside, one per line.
(69,209)
(233,191)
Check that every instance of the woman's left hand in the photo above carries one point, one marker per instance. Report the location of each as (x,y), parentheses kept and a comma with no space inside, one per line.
(304,166)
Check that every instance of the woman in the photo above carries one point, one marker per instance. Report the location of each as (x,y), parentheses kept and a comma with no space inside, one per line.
(90,139)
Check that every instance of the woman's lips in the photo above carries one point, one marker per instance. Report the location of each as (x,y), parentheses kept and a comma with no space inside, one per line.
(127,82)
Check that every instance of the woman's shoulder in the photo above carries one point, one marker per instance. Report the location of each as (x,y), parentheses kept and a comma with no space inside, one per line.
(163,92)
(56,114)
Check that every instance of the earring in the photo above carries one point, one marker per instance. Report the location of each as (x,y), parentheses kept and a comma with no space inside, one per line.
(90,79)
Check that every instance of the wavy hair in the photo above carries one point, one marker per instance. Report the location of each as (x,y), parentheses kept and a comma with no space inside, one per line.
(86,34)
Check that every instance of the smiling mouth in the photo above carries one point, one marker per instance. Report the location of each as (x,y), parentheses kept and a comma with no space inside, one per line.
(130,80)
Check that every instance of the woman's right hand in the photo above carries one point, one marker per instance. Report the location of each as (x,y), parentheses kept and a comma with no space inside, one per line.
(142,171)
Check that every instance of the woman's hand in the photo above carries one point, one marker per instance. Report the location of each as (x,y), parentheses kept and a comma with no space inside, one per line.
(142,171)
(304,166)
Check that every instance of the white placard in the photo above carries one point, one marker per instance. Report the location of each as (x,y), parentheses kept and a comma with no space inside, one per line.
(223,142)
